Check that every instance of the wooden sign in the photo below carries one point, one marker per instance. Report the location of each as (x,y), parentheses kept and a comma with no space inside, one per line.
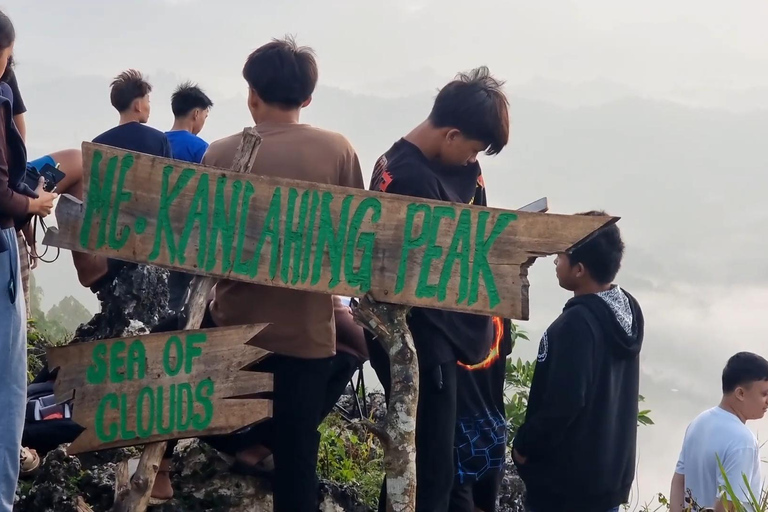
(161,386)
(307,236)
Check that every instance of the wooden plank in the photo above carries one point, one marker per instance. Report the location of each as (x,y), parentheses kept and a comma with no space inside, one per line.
(307,236)
(138,497)
(162,386)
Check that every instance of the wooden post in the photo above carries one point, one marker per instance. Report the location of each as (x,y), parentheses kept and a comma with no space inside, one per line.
(140,488)
(397,431)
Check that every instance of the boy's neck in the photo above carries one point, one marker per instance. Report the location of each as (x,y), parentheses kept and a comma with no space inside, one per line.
(591,287)
(424,138)
(129,117)
(726,405)
(276,115)
(182,124)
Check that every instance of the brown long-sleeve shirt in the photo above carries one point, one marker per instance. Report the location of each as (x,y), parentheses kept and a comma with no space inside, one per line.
(12,204)
(302,323)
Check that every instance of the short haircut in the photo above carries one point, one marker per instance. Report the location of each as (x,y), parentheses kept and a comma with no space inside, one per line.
(474,103)
(187,97)
(601,254)
(282,73)
(743,369)
(127,87)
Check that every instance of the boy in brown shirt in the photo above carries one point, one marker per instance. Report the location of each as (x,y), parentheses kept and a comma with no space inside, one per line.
(281,78)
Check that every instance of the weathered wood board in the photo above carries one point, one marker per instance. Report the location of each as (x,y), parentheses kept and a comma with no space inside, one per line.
(308,236)
(162,386)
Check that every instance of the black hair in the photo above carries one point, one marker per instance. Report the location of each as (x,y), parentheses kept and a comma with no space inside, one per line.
(601,254)
(474,103)
(127,87)
(282,73)
(742,369)
(187,97)
(7,32)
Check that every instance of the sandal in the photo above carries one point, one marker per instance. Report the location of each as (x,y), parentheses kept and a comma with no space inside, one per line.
(29,461)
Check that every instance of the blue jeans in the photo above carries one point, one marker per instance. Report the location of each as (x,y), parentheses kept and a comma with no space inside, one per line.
(13,368)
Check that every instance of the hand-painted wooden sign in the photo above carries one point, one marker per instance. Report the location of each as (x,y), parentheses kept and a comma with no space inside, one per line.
(308,236)
(161,386)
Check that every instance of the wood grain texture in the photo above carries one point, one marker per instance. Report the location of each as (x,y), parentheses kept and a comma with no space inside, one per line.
(220,224)
(112,388)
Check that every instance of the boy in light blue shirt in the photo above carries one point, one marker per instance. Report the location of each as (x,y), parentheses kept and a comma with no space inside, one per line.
(190,107)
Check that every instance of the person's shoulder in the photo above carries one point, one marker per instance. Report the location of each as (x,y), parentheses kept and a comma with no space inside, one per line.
(150,131)
(328,138)
(106,135)
(222,149)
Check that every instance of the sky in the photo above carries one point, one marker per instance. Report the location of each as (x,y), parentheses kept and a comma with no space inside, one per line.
(654,110)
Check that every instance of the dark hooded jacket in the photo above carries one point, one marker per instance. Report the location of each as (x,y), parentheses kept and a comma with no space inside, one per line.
(579,435)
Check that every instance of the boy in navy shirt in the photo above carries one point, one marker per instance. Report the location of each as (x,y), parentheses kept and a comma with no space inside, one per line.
(190,107)
(129,95)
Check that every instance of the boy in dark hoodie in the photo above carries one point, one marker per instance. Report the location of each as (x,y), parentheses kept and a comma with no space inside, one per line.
(576,449)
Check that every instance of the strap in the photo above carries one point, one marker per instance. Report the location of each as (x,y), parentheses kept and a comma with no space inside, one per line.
(35,220)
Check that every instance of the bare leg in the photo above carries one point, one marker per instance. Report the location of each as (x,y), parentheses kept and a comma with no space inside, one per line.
(90,268)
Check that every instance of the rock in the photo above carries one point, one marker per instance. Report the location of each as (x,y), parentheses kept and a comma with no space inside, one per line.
(133,301)
(512,491)
(201,479)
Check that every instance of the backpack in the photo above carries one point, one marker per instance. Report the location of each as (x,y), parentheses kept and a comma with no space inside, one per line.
(46,423)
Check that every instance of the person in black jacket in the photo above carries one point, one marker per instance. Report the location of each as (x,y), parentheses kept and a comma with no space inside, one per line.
(576,449)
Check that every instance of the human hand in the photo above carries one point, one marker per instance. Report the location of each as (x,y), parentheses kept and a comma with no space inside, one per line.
(42,205)
(517,458)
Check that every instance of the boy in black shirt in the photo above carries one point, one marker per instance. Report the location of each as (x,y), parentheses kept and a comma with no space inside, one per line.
(576,449)
(130,96)
(437,160)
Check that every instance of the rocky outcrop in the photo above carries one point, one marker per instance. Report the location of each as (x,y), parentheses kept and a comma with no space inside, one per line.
(133,300)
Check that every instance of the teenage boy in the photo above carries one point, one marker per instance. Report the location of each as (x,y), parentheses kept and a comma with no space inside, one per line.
(281,78)
(576,449)
(438,160)
(130,96)
(190,106)
(722,432)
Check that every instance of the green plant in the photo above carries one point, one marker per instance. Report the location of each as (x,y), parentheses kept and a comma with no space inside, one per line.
(37,342)
(517,387)
(351,455)
(642,415)
(756,502)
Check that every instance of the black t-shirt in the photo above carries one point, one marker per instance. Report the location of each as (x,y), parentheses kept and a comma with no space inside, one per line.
(481,426)
(16,100)
(440,336)
(136,137)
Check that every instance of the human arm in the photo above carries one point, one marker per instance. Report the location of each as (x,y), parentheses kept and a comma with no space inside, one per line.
(350,174)
(200,152)
(165,150)
(567,376)
(677,493)
(19,108)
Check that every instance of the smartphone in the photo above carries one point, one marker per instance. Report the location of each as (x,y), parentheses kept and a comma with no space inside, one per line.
(52,176)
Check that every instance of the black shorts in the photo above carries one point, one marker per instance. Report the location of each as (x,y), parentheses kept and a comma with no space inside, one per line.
(480,494)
